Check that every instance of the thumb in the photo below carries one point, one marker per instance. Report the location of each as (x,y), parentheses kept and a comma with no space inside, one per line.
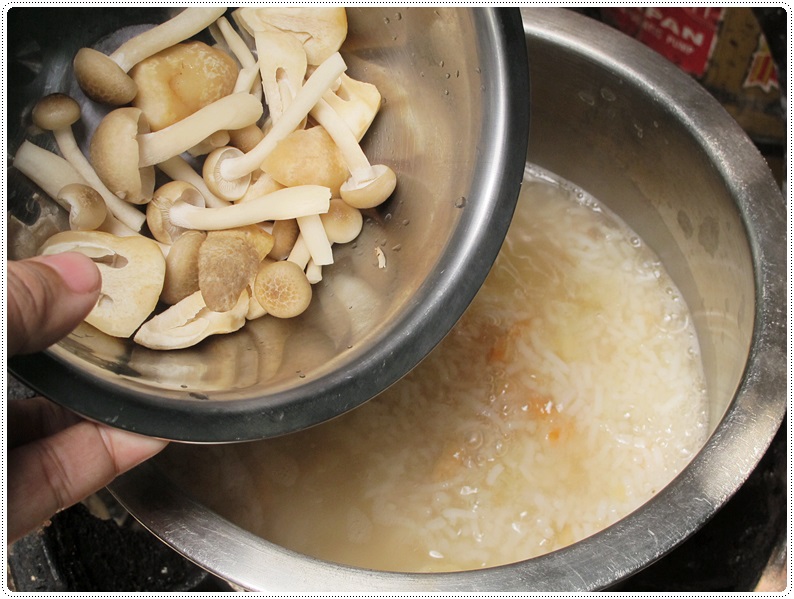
(47,297)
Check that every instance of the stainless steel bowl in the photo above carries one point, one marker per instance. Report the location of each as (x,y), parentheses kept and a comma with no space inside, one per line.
(454,128)
(627,126)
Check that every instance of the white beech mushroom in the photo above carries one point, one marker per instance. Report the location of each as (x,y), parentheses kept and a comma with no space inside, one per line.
(282,289)
(342,224)
(180,80)
(285,234)
(368,185)
(158,211)
(105,79)
(230,190)
(87,209)
(188,322)
(308,95)
(313,233)
(57,113)
(321,30)
(356,102)
(227,261)
(290,202)
(248,76)
(282,66)
(132,269)
(245,139)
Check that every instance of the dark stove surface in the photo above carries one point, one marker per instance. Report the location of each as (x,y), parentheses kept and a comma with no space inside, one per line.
(741,549)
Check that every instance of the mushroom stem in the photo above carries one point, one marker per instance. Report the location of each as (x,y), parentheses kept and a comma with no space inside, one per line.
(178,169)
(290,202)
(230,112)
(236,44)
(357,162)
(313,233)
(182,26)
(308,95)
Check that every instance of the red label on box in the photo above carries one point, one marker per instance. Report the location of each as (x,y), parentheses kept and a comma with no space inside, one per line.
(684,35)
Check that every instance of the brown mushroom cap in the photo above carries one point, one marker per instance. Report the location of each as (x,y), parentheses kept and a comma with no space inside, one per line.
(227,262)
(55,111)
(370,193)
(285,234)
(114,155)
(158,210)
(87,210)
(342,222)
(282,289)
(181,267)
(102,79)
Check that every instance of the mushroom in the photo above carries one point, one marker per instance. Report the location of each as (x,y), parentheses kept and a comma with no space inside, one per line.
(263,184)
(285,234)
(227,261)
(313,233)
(104,78)
(180,80)
(307,157)
(230,112)
(158,211)
(132,269)
(342,224)
(188,322)
(248,75)
(219,139)
(282,289)
(87,210)
(230,190)
(368,186)
(308,95)
(178,169)
(245,139)
(282,66)
(321,30)
(290,202)
(57,113)
(115,154)
(356,103)
(181,267)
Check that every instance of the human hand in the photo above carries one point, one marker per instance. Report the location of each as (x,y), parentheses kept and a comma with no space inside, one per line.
(55,459)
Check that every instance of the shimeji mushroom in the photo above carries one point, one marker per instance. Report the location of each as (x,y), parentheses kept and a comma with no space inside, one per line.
(132,269)
(158,210)
(282,289)
(321,30)
(57,113)
(248,76)
(181,267)
(356,102)
(313,233)
(342,224)
(315,86)
(282,66)
(229,190)
(178,169)
(87,209)
(290,202)
(188,322)
(285,234)
(368,185)
(105,79)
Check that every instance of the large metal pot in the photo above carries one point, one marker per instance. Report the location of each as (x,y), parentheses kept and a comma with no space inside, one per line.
(630,128)
(458,142)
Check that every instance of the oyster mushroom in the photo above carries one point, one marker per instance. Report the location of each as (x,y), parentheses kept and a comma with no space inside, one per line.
(180,80)
(321,30)
(189,322)
(368,185)
(290,202)
(132,269)
(57,113)
(281,288)
(105,79)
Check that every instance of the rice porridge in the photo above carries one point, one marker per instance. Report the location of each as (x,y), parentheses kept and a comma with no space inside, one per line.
(570,392)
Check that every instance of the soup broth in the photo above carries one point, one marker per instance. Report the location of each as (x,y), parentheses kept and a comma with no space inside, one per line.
(570,392)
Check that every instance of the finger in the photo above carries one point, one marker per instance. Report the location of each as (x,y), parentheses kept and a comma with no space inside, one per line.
(35,418)
(47,296)
(51,474)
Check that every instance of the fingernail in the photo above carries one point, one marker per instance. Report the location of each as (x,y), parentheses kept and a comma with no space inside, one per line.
(77,270)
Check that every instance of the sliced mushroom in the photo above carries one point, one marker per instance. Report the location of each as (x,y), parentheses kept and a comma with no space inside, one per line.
(368,186)
(282,66)
(158,211)
(290,202)
(356,102)
(227,262)
(57,113)
(104,78)
(115,155)
(132,269)
(181,267)
(321,30)
(189,322)
(282,289)
(180,80)
(307,157)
